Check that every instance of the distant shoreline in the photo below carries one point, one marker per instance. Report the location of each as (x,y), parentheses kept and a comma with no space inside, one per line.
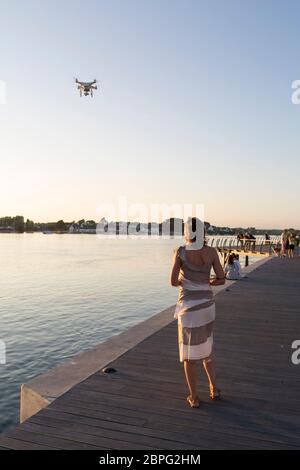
(172,225)
(121,233)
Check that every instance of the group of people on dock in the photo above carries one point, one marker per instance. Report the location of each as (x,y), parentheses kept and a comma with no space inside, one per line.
(289,240)
(246,240)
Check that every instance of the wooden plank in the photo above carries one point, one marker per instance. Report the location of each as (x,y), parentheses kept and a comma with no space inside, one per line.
(128,433)
(98,437)
(43,435)
(218,416)
(27,444)
(155,422)
(187,435)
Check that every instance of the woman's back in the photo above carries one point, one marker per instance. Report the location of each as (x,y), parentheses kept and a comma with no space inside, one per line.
(200,257)
(196,265)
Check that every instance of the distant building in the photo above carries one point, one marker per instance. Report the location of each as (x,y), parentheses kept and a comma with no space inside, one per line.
(7,229)
(85,227)
(74,228)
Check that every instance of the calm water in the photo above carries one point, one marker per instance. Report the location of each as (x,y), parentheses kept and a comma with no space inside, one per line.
(62,294)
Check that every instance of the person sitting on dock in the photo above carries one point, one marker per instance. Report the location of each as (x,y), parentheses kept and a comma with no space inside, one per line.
(195,309)
(267,239)
(237,262)
(233,268)
(250,240)
(240,239)
(277,251)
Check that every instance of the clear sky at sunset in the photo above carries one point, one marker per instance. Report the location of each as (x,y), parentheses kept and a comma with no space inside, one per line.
(194,106)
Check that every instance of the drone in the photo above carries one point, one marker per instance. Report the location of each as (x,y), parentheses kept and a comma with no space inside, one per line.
(86,88)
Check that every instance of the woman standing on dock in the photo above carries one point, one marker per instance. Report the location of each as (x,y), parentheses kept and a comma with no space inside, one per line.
(284,242)
(195,309)
(292,241)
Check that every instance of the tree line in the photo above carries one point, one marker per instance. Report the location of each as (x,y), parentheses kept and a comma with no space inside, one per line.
(17,224)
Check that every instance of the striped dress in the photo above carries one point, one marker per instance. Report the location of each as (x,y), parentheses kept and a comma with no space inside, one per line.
(195,310)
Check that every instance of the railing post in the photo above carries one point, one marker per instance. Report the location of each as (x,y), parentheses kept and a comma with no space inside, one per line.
(262,247)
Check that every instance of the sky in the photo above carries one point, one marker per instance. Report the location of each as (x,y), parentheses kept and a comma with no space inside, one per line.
(193,107)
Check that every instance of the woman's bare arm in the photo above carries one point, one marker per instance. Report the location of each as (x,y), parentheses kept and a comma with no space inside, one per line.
(220,279)
(175,270)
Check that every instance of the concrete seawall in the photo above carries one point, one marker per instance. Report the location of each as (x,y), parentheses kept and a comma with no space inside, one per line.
(44,389)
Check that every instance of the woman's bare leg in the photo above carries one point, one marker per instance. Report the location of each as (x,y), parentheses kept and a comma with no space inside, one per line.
(209,367)
(191,374)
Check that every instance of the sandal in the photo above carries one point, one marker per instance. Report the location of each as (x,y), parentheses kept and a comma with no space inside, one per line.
(215,394)
(193,403)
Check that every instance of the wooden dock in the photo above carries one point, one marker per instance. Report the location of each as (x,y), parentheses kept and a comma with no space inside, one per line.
(143,406)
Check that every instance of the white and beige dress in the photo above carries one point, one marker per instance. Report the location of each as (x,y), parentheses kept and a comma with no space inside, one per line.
(195,309)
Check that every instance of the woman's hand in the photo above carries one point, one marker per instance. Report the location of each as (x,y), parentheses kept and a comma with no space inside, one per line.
(220,275)
(217,282)
(174,278)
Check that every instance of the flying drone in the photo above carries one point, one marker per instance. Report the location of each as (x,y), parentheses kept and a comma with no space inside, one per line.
(86,88)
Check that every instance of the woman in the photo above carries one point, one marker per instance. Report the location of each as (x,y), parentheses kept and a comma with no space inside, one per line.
(195,309)
(287,244)
(233,268)
(292,241)
(284,243)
